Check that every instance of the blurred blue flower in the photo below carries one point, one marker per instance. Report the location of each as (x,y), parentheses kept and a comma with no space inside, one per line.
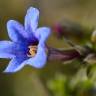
(28,43)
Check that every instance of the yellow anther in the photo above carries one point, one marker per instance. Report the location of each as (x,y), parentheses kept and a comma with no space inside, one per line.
(32,51)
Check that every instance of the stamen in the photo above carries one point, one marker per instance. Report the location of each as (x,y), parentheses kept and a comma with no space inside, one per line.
(32,51)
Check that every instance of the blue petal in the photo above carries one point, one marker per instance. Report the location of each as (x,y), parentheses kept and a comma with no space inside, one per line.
(6,55)
(16,31)
(31,19)
(40,59)
(43,33)
(15,65)
(7,49)
(10,49)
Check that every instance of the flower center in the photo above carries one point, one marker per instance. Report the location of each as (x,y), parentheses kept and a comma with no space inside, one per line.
(32,51)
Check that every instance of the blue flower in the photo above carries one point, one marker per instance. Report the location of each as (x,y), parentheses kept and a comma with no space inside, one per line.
(27,45)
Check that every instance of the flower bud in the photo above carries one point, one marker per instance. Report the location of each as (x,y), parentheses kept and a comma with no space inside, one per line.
(91,59)
(68,29)
(93,37)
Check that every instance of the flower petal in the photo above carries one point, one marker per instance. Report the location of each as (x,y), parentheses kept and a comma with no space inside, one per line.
(40,59)
(6,55)
(16,31)
(31,19)
(15,65)
(43,33)
(10,49)
(6,49)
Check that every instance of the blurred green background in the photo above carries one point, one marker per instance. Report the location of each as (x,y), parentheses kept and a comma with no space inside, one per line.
(55,79)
